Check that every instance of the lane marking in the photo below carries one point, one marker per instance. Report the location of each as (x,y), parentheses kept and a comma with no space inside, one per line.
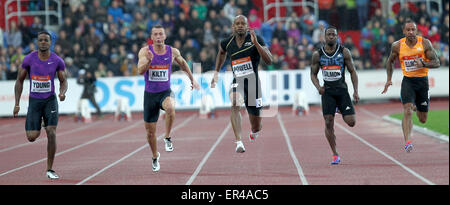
(74,148)
(386,155)
(205,158)
(291,151)
(43,138)
(134,152)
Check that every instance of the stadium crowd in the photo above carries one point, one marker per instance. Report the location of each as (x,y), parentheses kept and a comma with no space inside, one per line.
(105,35)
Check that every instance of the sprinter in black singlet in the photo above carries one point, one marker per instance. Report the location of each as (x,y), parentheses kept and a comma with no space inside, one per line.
(333,58)
(245,49)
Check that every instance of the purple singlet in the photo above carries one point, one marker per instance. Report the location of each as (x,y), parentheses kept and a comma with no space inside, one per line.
(42,73)
(157,78)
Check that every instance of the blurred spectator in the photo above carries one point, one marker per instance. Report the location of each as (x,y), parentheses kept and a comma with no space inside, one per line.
(253,20)
(115,11)
(325,9)
(293,32)
(363,12)
(114,65)
(214,5)
(245,6)
(422,13)
(307,21)
(14,36)
(444,28)
(276,47)
(405,12)
(72,69)
(201,9)
(291,59)
(230,10)
(97,12)
(101,71)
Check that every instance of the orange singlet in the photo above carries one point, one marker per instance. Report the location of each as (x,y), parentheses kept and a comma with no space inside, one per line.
(407,56)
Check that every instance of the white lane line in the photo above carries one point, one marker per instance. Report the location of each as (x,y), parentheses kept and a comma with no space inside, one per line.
(74,148)
(291,151)
(134,152)
(42,138)
(386,155)
(205,158)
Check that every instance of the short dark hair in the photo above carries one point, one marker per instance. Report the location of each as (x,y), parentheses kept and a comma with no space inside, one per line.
(330,27)
(407,21)
(157,26)
(46,33)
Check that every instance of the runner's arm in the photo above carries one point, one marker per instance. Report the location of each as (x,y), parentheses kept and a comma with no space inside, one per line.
(351,68)
(430,53)
(62,76)
(315,71)
(145,58)
(395,49)
(18,88)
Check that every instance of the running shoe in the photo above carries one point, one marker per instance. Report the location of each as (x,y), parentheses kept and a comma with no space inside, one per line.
(168,144)
(336,160)
(52,174)
(408,147)
(155,163)
(240,147)
(253,136)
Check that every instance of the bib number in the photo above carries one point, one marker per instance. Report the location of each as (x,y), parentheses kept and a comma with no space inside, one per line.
(41,84)
(331,73)
(158,73)
(408,61)
(242,67)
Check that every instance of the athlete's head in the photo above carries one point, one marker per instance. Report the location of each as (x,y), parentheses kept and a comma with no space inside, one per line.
(158,35)
(240,25)
(410,30)
(331,36)
(44,41)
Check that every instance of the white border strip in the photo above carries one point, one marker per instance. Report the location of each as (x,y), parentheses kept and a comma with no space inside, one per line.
(291,151)
(422,130)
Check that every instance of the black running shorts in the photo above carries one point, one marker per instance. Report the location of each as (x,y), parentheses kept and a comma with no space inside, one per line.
(153,103)
(38,109)
(415,90)
(253,101)
(337,97)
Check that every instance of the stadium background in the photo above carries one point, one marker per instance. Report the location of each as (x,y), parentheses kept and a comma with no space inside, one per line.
(104,36)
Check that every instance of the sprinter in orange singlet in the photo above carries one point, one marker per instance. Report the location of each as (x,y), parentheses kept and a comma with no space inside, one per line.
(416,55)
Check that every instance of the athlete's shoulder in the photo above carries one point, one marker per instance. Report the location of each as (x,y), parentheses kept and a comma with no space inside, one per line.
(175,51)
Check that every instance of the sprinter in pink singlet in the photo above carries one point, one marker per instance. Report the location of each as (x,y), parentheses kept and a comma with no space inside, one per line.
(155,62)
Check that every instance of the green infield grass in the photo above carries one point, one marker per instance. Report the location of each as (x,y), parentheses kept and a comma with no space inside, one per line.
(437,120)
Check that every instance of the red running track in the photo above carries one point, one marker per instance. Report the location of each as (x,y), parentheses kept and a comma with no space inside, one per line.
(291,150)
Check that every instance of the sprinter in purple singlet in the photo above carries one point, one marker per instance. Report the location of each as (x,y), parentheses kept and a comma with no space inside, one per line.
(155,62)
(41,67)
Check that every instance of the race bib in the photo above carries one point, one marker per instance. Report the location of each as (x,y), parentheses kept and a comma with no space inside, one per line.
(41,84)
(242,67)
(259,102)
(331,73)
(158,73)
(408,62)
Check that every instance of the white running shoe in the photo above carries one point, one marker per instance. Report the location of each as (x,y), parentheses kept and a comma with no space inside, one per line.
(253,136)
(240,147)
(168,144)
(52,174)
(155,163)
